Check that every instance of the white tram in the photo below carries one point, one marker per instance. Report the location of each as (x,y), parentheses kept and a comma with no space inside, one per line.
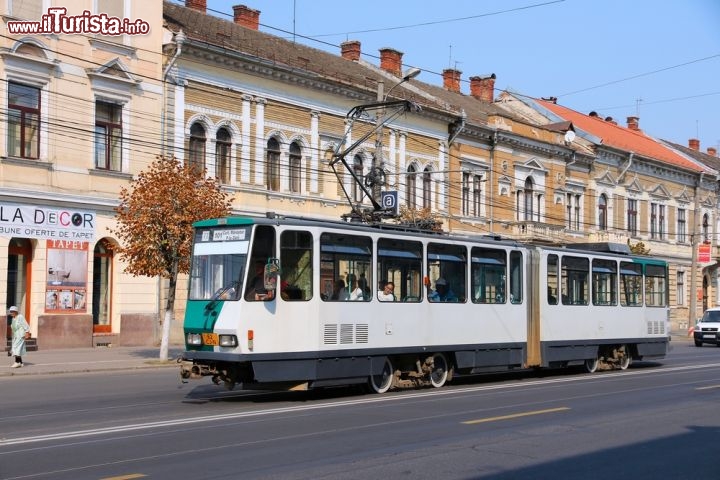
(290,303)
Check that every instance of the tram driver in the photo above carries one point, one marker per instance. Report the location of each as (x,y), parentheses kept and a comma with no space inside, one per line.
(442,292)
(256,287)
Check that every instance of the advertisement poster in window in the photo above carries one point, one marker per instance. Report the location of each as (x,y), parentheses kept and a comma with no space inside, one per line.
(66,284)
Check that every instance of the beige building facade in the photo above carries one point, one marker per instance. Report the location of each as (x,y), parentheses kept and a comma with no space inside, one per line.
(83,109)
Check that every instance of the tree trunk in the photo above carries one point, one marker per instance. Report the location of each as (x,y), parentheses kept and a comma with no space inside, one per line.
(169,313)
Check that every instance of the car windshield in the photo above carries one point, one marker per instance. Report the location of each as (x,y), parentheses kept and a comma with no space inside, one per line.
(711,316)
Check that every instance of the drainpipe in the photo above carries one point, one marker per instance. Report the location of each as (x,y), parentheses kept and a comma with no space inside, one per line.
(180,38)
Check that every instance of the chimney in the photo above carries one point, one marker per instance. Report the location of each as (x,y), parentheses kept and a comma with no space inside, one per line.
(246,17)
(711,151)
(483,88)
(391,61)
(451,80)
(199,5)
(633,123)
(694,143)
(350,50)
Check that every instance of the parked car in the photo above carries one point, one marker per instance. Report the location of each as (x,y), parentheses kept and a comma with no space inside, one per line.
(707,329)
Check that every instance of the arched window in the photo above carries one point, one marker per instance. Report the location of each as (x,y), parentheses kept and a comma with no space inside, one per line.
(223,147)
(706,228)
(410,187)
(528,199)
(196,158)
(602,212)
(102,291)
(358,171)
(427,188)
(272,173)
(295,167)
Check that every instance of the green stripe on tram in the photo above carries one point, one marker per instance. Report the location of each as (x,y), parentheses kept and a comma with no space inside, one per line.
(216,222)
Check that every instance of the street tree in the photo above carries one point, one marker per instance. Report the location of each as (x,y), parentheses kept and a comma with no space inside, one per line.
(154,223)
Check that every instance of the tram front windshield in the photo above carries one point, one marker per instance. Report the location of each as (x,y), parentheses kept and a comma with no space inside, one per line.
(218,263)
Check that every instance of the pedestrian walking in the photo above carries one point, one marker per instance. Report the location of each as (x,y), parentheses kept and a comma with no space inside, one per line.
(20,332)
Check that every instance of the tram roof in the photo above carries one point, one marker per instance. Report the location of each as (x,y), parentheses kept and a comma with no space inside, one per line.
(606,248)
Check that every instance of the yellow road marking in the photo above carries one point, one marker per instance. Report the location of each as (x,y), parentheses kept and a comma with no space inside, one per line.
(709,387)
(125,477)
(515,415)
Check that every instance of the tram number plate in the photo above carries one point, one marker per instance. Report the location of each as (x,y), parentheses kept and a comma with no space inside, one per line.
(210,339)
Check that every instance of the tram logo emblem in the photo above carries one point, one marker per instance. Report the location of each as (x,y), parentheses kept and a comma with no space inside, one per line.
(389,201)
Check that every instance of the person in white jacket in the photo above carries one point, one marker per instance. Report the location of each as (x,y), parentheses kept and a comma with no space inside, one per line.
(19,328)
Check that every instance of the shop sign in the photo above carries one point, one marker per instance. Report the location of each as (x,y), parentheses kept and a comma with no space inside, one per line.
(32,221)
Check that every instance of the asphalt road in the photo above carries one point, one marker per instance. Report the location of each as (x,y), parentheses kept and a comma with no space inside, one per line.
(655,420)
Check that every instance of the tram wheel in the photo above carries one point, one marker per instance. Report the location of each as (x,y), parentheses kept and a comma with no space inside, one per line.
(383,382)
(591,365)
(439,373)
(626,359)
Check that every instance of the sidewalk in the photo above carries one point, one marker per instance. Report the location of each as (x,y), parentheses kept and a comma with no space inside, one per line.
(79,360)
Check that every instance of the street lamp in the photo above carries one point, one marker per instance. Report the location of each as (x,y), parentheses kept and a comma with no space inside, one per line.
(377,171)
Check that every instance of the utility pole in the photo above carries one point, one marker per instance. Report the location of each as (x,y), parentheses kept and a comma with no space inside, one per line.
(694,262)
(377,162)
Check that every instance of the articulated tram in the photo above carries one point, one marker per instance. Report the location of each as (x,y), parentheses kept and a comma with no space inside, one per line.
(294,304)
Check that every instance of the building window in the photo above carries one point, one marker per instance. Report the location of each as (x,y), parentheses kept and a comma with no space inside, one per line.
(657,221)
(295,165)
(662,225)
(223,147)
(108,136)
(632,212)
(680,296)
(23,121)
(26,9)
(477,179)
(410,187)
(528,200)
(112,8)
(602,212)
(197,147)
(358,171)
(681,226)
(573,202)
(706,228)
(273,165)
(465,194)
(427,188)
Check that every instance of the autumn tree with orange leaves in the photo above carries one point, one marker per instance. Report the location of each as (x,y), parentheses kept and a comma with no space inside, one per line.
(154,223)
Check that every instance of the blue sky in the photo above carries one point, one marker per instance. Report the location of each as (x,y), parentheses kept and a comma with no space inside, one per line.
(659,60)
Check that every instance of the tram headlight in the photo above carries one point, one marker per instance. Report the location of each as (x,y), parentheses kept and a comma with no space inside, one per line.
(228,341)
(194,339)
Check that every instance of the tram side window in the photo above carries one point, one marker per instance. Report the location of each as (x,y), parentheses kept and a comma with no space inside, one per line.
(575,275)
(516,277)
(604,281)
(489,273)
(655,286)
(296,263)
(552,279)
(446,273)
(400,262)
(263,248)
(345,265)
(631,293)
